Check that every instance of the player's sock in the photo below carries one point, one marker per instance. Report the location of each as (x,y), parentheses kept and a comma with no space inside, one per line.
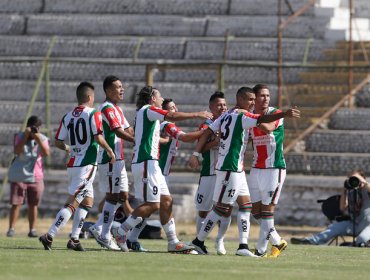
(209,222)
(108,216)
(170,230)
(200,221)
(243,220)
(78,221)
(133,235)
(61,219)
(130,223)
(266,227)
(99,223)
(224,226)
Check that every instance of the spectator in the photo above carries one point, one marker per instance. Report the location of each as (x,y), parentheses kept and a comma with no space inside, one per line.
(26,174)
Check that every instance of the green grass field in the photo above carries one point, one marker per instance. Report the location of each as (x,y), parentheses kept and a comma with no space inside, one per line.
(25,258)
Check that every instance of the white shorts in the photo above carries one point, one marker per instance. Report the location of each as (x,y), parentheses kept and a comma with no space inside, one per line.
(204,195)
(81,181)
(229,186)
(149,181)
(113,177)
(265,184)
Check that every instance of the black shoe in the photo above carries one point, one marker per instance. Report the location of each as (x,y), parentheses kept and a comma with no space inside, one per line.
(301,241)
(75,245)
(199,246)
(46,241)
(32,233)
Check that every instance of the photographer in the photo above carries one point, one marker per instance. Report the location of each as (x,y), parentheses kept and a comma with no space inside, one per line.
(26,174)
(355,202)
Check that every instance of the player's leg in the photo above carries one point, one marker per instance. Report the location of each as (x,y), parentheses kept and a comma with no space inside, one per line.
(204,198)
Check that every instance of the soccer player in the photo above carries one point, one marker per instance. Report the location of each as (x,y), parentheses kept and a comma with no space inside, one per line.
(207,180)
(113,177)
(83,128)
(150,184)
(231,185)
(267,174)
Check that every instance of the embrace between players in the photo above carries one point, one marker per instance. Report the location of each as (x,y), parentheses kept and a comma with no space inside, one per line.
(223,138)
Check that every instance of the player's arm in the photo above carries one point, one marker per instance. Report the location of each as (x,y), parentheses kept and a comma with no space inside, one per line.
(194,160)
(181,116)
(190,136)
(267,127)
(125,134)
(215,142)
(164,140)
(61,145)
(101,141)
(290,113)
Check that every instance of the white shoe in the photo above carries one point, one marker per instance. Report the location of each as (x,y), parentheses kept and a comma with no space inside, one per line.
(94,232)
(245,252)
(120,239)
(108,243)
(220,247)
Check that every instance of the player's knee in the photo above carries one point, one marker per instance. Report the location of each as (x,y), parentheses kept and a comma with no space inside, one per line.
(203,214)
(166,201)
(123,197)
(223,209)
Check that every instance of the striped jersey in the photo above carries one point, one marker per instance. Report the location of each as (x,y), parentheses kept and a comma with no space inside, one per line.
(80,126)
(233,127)
(168,151)
(147,133)
(268,147)
(113,118)
(210,156)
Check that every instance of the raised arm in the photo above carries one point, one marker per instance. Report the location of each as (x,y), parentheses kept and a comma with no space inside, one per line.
(291,113)
(181,116)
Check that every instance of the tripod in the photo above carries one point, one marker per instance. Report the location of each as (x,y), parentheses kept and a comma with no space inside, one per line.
(354,210)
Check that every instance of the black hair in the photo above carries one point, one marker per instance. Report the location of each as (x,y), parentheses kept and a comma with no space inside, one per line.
(144,96)
(165,103)
(81,92)
(258,87)
(217,94)
(108,81)
(243,90)
(34,121)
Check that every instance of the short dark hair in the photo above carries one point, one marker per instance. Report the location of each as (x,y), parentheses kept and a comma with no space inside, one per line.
(34,121)
(81,92)
(165,103)
(144,96)
(108,81)
(243,90)
(258,87)
(217,94)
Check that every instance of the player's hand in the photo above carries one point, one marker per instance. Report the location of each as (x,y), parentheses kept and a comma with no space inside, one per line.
(293,113)
(112,156)
(193,162)
(204,115)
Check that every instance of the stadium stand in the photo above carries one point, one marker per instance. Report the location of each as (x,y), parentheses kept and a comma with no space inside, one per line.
(102,35)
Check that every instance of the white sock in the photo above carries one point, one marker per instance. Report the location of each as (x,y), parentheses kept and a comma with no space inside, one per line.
(129,224)
(133,235)
(200,221)
(209,222)
(99,223)
(266,228)
(224,226)
(108,216)
(61,219)
(78,221)
(244,224)
(170,230)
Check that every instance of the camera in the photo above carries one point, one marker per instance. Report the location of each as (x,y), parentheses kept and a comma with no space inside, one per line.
(352,183)
(34,129)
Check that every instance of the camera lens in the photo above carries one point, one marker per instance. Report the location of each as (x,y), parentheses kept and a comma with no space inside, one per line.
(354,182)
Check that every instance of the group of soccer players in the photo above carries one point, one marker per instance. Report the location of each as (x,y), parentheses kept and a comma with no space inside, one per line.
(222,140)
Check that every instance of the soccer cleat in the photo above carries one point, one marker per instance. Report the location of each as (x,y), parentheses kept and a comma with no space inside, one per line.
(302,241)
(45,240)
(220,247)
(258,254)
(180,247)
(32,233)
(199,247)
(94,232)
(245,253)
(10,232)
(276,250)
(135,246)
(108,243)
(120,239)
(75,245)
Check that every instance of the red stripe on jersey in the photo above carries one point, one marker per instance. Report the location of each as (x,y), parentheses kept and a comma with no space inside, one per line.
(122,122)
(277,121)
(203,126)
(172,130)
(258,132)
(71,162)
(113,121)
(158,110)
(98,122)
(58,131)
(253,116)
(262,155)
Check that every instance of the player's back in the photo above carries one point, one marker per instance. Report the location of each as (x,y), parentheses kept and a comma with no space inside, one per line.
(79,126)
